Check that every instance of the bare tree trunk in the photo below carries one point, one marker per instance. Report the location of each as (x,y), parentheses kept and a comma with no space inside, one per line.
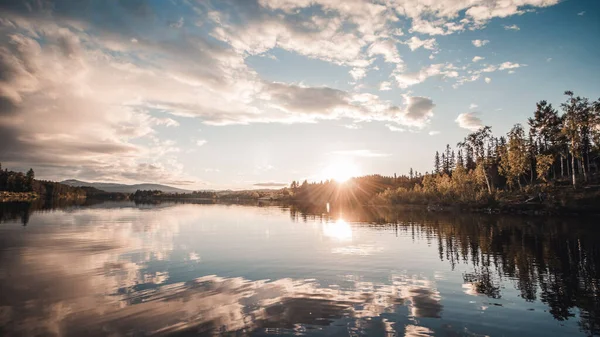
(562,166)
(583,168)
(573,171)
(487,180)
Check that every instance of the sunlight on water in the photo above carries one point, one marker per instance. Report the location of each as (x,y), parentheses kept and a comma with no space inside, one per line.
(339,230)
(123,269)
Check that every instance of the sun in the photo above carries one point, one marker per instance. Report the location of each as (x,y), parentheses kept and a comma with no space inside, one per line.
(340,171)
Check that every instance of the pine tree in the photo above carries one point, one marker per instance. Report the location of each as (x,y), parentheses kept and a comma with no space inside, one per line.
(460,162)
(444,164)
(29,177)
(436,164)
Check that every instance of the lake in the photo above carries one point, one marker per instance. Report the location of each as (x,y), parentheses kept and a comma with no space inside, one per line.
(115,269)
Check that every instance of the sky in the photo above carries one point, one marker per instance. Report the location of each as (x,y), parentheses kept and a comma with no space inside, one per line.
(256,93)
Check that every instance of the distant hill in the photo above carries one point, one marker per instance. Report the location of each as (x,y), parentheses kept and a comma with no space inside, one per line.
(122,188)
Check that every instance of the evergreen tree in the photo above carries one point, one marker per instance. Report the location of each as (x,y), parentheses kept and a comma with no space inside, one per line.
(436,163)
(460,160)
(29,180)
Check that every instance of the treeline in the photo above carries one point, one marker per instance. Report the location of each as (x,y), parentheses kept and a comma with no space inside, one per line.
(151,195)
(557,148)
(12,181)
(141,195)
(18,184)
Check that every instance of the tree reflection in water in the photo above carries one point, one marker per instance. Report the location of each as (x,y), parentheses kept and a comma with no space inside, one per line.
(84,279)
(555,260)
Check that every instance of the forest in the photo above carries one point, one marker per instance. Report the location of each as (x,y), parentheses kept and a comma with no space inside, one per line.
(24,187)
(552,161)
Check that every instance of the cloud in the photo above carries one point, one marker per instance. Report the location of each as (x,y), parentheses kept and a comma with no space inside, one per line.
(271,184)
(416,43)
(395,128)
(549,59)
(478,58)
(385,86)
(581,13)
(353,126)
(405,80)
(480,43)
(473,106)
(511,27)
(469,120)
(434,132)
(387,49)
(201,142)
(177,24)
(510,65)
(358,73)
(488,80)
(361,153)
(61,63)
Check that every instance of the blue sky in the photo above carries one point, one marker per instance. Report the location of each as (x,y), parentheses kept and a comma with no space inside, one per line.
(244,94)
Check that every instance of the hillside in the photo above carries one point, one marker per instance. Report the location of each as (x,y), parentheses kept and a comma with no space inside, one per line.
(122,188)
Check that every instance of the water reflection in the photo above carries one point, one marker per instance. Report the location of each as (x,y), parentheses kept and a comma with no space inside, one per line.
(339,230)
(122,269)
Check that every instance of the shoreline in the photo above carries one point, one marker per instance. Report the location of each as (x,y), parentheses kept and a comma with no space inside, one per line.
(18,196)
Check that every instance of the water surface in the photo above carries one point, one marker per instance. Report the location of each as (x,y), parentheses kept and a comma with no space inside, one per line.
(188,269)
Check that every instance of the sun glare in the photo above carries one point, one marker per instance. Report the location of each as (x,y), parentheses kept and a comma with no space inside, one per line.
(339,230)
(340,171)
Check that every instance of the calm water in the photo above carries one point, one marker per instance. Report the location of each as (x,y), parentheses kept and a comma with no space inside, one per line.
(182,269)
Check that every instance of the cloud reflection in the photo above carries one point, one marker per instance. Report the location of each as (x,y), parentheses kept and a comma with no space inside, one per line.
(90,278)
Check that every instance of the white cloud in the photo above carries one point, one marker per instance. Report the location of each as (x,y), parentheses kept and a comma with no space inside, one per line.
(510,65)
(480,43)
(385,86)
(478,58)
(386,48)
(469,120)
(361,153)
(59,65)
(405,80)
(511,27)
(416,43)
(581,13)
(549,59)
(434,132)
(488,80)
(358,73)
(201,142)
(353,126)
(473,106)
(395,128)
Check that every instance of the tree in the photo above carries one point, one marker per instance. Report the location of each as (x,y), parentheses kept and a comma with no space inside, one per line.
(444,164)
(544,162)
(411,173)
(29,180)
(469,161)
(478,141)
(514,161)
(577,130)
(460,160)
(436,163)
